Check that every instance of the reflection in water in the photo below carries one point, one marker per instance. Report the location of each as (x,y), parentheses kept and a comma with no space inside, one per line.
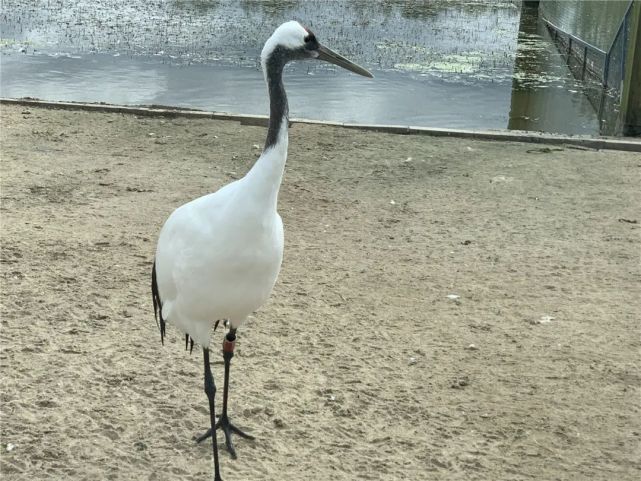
(580,18)
(66,78)
(394,98)
(544,95)
(605,27)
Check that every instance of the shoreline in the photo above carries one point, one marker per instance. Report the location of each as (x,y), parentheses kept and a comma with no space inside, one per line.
(627,144)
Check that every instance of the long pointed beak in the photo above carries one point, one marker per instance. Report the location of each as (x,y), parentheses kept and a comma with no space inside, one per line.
(330,56)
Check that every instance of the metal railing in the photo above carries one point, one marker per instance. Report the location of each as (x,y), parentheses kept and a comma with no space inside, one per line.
(607,67)
(571,41)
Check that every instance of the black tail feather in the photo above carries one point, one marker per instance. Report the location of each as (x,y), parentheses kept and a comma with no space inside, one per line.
(157,304)
(189,343)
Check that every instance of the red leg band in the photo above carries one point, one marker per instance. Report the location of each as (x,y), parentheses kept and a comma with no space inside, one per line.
(228,346)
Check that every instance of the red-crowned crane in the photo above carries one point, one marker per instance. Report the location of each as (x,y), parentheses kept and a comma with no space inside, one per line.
(218,256)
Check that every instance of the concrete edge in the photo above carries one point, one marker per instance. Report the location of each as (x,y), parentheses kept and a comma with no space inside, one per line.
(598,143)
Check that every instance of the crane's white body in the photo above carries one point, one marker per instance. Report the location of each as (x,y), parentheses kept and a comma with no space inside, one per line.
(219,256)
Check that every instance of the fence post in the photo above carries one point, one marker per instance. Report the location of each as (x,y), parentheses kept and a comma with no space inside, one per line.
(631,93)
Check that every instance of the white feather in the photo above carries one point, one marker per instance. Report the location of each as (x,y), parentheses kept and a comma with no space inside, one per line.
(219,256)
(289,35)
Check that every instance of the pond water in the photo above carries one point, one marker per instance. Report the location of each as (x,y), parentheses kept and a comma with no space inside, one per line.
(444,63)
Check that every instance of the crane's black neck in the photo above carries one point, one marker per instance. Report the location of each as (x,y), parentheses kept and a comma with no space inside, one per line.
(278,107)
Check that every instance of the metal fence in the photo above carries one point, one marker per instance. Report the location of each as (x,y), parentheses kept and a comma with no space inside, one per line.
(602,71)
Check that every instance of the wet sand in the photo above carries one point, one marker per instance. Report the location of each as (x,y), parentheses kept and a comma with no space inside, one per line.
(447,309)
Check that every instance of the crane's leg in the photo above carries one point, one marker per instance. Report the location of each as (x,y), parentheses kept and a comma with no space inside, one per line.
(228,428)
(224,423)
(210,390)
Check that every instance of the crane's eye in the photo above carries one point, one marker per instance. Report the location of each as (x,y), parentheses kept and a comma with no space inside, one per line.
(308,39)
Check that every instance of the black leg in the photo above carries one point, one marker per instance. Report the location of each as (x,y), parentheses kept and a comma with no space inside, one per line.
(210,390)
(224,423)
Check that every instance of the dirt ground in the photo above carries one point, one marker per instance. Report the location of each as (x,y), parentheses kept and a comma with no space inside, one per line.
(447,309)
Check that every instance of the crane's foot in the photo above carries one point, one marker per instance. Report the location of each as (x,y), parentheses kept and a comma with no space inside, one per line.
(229,429)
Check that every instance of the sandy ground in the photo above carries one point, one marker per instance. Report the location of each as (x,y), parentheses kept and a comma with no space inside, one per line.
(360,366)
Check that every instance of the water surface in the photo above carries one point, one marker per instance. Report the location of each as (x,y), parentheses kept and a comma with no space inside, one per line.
(446,63)
(392,98)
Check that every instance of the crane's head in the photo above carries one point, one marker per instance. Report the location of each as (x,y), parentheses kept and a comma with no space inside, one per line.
(292,41)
